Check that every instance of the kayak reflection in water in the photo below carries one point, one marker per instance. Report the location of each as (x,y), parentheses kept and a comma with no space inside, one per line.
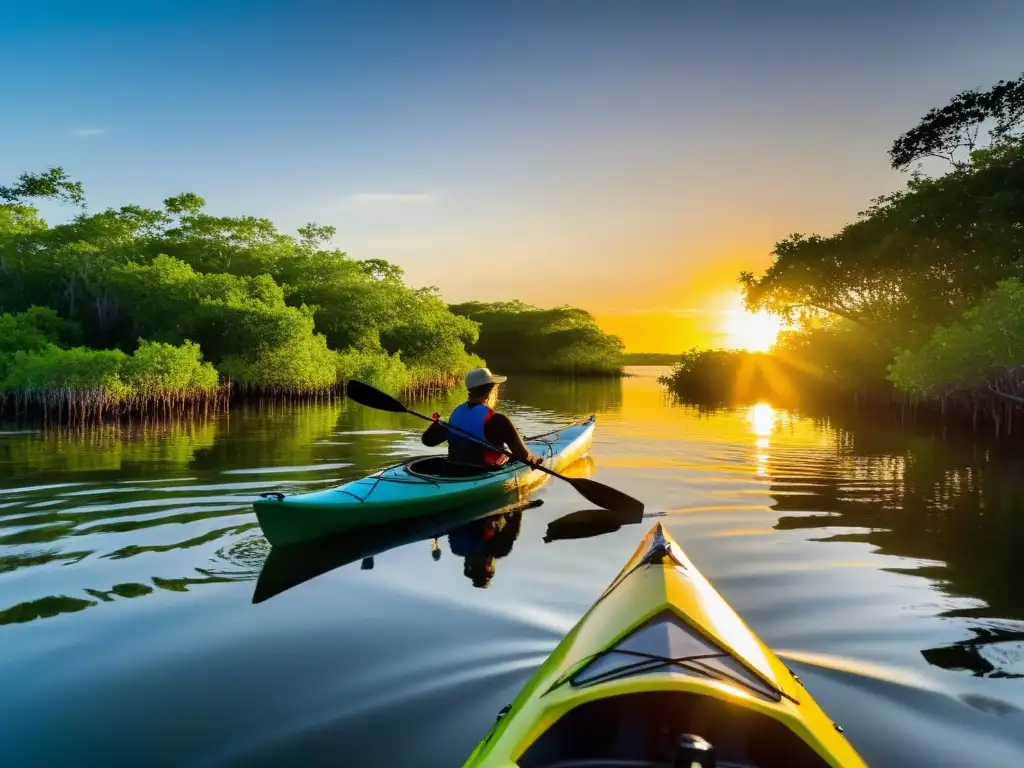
(481,542)
(477,417)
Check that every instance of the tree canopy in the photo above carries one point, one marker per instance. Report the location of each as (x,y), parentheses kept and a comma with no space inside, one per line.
(269,310)
(946,130)
(266,310)
(563,340)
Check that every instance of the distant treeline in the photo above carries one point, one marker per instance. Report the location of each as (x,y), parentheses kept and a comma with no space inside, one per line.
(650,358)
(563,341)
(920,302)
(140,309)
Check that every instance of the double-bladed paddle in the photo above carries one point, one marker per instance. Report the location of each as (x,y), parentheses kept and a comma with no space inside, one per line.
(596,493)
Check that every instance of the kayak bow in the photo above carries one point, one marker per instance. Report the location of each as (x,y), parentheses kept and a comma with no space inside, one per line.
(661,671)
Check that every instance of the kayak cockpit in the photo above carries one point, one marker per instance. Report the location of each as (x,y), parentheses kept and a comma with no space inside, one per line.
(646,728)
(439,468)
(659,727)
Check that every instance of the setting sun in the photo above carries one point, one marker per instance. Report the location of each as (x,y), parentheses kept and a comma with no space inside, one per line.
(752,331)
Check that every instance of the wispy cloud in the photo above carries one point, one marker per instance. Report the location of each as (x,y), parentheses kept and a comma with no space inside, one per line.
(387,199)
(86,133)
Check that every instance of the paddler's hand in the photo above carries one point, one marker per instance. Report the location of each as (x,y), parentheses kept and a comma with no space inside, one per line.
(534,461)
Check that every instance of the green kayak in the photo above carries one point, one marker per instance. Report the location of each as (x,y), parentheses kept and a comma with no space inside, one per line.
(415,488)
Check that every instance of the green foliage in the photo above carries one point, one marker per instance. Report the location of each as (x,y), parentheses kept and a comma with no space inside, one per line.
(293,360)
(84,383)
(267,309)
(33,330)
(52,369)
(155,369)
(376,368)
(978,349)
(206,297)
(54,184)
(228,315)
(521,338)
(364,305)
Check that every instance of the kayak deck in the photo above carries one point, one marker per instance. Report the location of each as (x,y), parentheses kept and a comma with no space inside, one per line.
(414,488)
(660,656)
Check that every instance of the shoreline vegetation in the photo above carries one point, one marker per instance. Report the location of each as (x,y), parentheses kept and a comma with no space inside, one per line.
(523,339)
(651,358)
(175,311)
(918,305)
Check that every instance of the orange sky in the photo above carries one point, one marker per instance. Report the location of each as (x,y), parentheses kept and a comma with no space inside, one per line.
(664,331)
(659,290)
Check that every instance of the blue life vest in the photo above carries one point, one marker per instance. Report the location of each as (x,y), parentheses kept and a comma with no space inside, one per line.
(471,418)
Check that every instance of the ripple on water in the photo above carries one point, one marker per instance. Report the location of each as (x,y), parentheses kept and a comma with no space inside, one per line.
(284,469)
(912,720)
(34,488)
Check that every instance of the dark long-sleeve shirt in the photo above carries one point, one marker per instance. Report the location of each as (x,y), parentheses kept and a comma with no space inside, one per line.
(499,431)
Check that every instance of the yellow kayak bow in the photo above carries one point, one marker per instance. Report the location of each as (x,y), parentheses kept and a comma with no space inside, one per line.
(661,671)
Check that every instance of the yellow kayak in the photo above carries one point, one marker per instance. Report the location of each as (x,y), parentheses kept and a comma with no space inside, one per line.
(661,671)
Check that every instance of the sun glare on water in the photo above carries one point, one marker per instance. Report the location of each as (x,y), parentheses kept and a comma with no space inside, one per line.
(752,331)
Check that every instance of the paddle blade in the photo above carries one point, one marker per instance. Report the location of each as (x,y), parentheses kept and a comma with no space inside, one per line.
(605,497)
(372,397)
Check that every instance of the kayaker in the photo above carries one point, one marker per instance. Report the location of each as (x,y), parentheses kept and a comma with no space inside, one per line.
(478,417)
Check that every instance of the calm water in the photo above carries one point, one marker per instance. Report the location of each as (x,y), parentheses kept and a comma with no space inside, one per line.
(885,565)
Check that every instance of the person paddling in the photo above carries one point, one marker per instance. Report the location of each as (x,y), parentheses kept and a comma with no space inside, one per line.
(478,417)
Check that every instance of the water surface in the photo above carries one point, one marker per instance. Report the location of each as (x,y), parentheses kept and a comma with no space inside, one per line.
(881,562)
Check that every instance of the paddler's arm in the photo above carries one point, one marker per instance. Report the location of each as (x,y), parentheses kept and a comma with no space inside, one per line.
(501,431)
(434,435)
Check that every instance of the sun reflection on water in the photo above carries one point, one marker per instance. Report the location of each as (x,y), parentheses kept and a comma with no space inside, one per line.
(762,418)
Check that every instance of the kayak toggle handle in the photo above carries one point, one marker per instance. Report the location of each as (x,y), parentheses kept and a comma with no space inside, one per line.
(276,495)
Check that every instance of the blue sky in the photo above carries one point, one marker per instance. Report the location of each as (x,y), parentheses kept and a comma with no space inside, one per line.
(625,157)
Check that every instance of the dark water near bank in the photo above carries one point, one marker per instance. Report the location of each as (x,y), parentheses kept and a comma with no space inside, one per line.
(886,565)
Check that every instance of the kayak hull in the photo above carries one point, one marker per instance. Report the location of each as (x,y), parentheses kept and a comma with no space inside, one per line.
(411,489)
(661,655)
